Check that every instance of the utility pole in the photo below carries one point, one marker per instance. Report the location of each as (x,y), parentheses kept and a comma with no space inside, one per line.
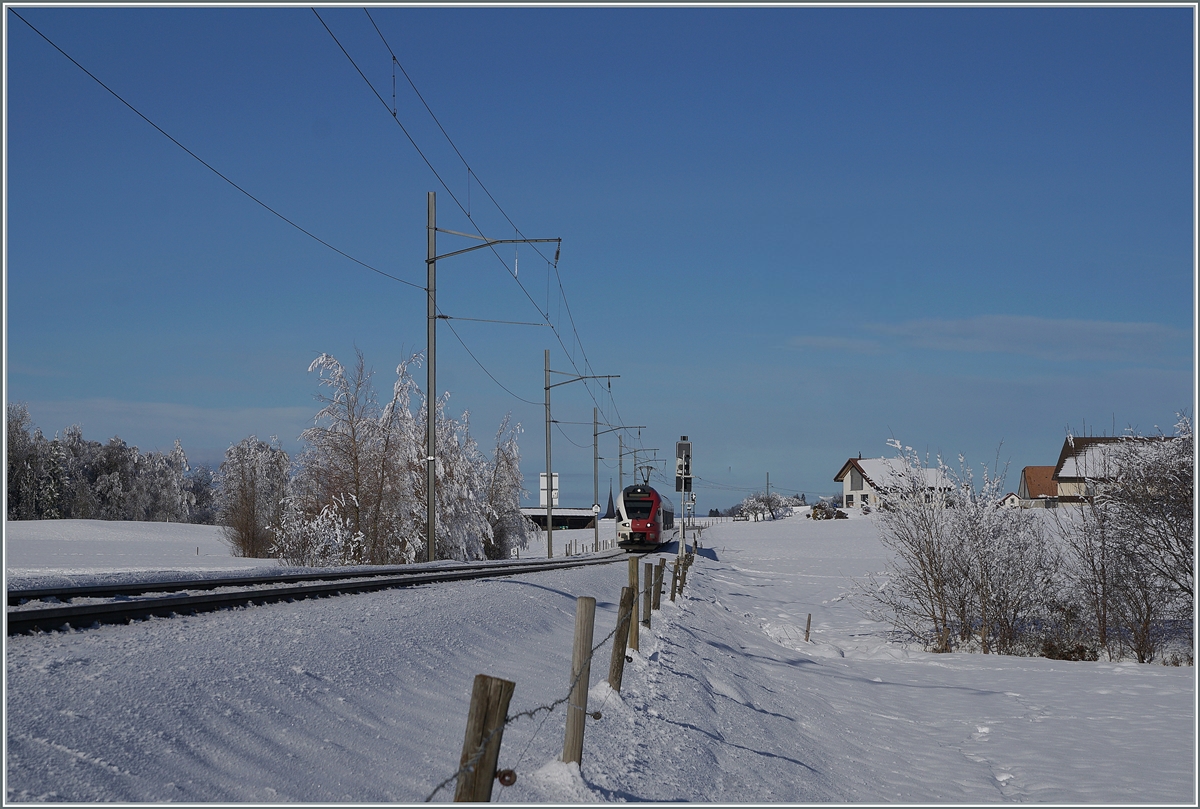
(431,378)
(549,476)
(431,258)
(595,479)
(596,433)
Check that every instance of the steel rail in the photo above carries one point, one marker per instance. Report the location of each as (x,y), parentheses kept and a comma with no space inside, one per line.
(15,597)
(84,615)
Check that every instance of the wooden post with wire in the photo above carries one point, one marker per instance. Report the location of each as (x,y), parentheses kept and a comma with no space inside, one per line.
(616,668)
(633,623)
(674,578)
(658,582)
(481,744)
(581,667)
(648,593)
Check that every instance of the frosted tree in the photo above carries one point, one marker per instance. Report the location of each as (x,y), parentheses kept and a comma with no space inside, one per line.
(253,481)
(510,528)
(364,460)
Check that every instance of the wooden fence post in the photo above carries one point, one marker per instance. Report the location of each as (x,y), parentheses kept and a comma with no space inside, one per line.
(581,668)
(807,626)
(633,622)
(658,582)
(648,593)
(485,723)
(674,578)
(616,669)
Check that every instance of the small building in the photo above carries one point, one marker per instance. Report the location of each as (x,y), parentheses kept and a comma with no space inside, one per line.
(865,479)
(1010,500)
(563,517)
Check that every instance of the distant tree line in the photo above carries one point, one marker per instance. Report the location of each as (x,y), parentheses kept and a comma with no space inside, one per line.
(354,495)
(1110,575)
(68,477)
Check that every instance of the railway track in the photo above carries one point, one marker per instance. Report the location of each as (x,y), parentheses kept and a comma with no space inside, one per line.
(114,604)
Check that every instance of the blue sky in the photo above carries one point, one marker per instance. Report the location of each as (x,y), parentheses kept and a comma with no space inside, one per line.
(793,232)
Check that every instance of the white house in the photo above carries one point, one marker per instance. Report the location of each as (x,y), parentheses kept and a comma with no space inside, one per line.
(865,479)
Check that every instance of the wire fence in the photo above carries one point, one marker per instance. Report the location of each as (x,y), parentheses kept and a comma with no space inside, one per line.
(469,765)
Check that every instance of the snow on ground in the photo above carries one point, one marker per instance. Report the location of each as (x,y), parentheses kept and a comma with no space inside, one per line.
(364,698)
(66,548)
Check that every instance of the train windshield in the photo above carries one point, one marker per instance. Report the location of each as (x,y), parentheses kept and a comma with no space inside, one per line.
(638,509)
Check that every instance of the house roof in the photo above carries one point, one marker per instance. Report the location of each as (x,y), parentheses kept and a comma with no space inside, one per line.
(559,511)
(1084,457)
(1092,456)
(888,473)
(1038,481)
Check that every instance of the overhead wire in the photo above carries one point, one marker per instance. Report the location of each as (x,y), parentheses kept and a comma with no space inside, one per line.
(205,163)
(309,233)
(298,227)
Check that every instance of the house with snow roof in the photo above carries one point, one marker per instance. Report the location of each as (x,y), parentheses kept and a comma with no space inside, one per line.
(864,480)
(1088,461)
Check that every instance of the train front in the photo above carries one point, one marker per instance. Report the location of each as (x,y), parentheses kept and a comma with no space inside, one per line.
(640,525)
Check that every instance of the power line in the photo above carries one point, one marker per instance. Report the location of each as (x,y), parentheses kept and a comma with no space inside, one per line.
(204,163)
(277,213)
(466,211)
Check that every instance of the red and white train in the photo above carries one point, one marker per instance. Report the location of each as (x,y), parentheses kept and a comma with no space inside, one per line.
(643,518)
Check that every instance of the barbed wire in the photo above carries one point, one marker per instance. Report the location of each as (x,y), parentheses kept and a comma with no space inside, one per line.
(469,766)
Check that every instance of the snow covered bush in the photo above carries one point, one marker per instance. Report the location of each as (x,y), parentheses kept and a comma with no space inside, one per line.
(326,540)
(966,573)
(763,505)
(1129,548)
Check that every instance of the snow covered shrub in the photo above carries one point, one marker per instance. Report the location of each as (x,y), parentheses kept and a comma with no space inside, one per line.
(763,505)
(326,540)
(1151,496)
(967,573)
(1129,547)
(253,482)
(922,589)
(1005,568)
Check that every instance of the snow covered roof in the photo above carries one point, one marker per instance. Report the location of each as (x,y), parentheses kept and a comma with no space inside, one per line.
(888,473)
(1085,457)
(559,511)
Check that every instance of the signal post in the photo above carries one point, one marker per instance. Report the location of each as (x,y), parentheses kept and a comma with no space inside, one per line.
(683,484)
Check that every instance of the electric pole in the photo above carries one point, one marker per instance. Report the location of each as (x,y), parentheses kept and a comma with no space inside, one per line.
(431,379)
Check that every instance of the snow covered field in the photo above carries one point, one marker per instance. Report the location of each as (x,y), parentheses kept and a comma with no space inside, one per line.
(364,698)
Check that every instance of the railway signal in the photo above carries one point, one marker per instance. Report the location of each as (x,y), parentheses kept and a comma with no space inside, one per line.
(683,483)
(683,464)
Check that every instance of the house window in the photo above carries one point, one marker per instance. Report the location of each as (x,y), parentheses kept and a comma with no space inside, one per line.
(849,500)
(863,498)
